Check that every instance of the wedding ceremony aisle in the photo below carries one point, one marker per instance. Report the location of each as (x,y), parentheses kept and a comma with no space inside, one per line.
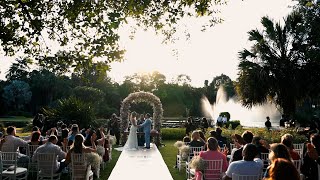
(141,164)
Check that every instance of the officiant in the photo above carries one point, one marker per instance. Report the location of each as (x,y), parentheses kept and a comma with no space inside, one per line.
(140,134)
(114,127)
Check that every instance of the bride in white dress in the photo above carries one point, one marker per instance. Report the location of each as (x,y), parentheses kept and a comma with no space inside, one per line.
(132,141)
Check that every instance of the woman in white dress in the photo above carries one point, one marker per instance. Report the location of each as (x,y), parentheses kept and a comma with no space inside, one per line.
(132,142)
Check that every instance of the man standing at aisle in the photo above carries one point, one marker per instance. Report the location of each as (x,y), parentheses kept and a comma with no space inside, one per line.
(146,129)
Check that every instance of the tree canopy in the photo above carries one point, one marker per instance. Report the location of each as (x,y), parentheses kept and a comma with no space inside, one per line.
(88,28)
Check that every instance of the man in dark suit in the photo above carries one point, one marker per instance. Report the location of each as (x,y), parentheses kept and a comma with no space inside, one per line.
(114,127)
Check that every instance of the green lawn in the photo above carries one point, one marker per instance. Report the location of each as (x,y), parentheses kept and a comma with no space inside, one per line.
(15,118)
(168,153)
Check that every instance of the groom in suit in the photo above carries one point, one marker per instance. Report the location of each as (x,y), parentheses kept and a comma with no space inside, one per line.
(146,129)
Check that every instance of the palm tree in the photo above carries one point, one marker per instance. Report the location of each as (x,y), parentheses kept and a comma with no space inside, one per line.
(271,69)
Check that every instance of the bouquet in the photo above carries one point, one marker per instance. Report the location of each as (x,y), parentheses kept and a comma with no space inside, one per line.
(178,144)
(197,163)
(100,150)
(93,159)
(184,152)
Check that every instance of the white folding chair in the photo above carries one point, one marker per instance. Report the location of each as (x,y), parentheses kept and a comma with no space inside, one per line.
(297,164)
(46,163)
(32,166)
(9,167)
(80,169)
(298,146)
(265,158)
(245,177)
(213,170)
(192,152)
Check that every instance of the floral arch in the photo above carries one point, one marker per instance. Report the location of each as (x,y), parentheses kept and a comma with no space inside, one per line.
(138,97)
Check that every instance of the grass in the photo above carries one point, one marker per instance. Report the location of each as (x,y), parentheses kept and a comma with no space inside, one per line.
(169,153)
(15,119)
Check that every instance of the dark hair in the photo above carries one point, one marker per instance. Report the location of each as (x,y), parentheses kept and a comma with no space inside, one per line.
(87,142)
(219,131)
(77,144)
(148,115)
(10,130)
(279,151)
(213,134)
(52,138)
(247,136)
(35,128)
(238,138)
(212,144)
(202,135)
(35,136)
(249,152)
(256,141)
(74,128)
(315,140)
(63,126)
(287,140)
(283,169)
(186,139)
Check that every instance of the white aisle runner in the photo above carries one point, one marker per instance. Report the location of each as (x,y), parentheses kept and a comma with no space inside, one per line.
(142,164)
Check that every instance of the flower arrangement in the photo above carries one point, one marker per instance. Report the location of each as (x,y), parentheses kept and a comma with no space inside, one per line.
(112,140)
(197,163)
(184,151)
(138,97)
(93,159)
(178,144)
(154,133)
(100,150)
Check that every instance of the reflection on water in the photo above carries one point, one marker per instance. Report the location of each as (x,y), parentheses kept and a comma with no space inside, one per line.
(254,117)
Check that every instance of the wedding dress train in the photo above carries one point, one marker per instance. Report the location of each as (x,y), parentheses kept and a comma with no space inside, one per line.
(132,141)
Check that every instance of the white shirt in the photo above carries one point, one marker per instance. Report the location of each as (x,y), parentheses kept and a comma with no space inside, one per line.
(245,167)
(12,144)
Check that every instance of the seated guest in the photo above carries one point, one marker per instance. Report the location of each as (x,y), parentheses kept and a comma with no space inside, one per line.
(97,141)
(247,136)
(249,165)
(283,169)
(51,147)
(212,153)
(35,138)
(277,150)
(186,139)
(311,160)
(287,141)
(259,143)
(221,140)
(11,143)
(196,141)
(238,142)
(74,132)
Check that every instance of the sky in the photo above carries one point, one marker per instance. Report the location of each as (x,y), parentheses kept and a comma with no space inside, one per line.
(202,57)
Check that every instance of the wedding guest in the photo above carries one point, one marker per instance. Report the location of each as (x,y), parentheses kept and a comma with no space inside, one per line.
(259,143)
(114,127)
(196,141)
(186,139)
(221,139)
(11,143)
(79,148)
(212,153)
(141,139)
(287,141)
(74,132)
(204,124)
(249,165)
(277,150)
(283,169)
(35,138)
(51,147)
(268,123)
(247,136)
(189,126)
(311,160)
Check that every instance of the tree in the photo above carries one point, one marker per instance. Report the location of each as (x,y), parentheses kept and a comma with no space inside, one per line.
(17,94)
(183,80)
(272,68)
(19,69)
(218,81)
(89,27)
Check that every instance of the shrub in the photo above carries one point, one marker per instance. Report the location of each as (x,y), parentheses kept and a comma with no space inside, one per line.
(173,133)
(232,124)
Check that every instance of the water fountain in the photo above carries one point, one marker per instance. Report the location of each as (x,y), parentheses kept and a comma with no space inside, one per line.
(254,117)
